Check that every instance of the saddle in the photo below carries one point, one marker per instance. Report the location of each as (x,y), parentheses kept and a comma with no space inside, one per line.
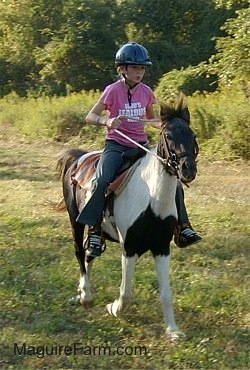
(87,164)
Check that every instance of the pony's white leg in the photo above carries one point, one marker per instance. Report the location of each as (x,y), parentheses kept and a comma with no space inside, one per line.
(84,288)
(126,295)
(162,267)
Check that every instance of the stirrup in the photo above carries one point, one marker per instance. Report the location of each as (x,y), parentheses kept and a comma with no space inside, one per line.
(94,243)
(188,237)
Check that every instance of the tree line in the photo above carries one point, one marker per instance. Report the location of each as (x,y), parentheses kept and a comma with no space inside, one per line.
(54,47)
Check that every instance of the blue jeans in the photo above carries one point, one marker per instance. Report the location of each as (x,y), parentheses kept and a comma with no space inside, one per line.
(180,205)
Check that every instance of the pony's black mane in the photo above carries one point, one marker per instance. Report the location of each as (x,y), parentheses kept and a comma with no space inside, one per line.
(176,109)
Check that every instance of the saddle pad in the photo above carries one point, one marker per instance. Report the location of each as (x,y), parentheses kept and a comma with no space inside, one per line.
(85,168)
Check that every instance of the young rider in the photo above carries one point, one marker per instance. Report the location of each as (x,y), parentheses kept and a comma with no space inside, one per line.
(128,96)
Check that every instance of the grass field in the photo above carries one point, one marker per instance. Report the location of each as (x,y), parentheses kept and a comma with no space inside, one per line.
(39,275)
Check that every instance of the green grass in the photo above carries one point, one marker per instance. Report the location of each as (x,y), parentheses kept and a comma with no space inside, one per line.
(39,274)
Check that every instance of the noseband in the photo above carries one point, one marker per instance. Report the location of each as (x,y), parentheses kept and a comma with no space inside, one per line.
(171,158)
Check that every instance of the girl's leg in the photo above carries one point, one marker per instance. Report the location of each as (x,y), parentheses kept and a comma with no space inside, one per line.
(184,233)
(109,164)
(180,205)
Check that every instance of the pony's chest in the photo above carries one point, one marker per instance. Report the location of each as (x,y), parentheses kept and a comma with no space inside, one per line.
(149,232)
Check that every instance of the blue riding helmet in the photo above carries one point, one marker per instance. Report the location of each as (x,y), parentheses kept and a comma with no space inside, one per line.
(132,53)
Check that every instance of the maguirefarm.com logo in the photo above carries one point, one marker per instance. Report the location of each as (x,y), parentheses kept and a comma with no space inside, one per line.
(41,351)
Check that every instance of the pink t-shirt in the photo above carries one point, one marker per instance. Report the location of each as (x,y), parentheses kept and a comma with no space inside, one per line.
(115,97)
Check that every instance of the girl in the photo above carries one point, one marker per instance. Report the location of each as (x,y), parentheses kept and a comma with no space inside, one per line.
(128,101)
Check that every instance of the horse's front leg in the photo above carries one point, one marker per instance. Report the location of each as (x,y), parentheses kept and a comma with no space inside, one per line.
(126,294)
(84,289)
(162,267)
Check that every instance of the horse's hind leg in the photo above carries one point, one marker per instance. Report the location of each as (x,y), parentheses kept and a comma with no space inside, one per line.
(84,288)
(126,295)
(162,267)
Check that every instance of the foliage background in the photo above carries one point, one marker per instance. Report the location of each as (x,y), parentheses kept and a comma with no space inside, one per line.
(61,46)
(56,57)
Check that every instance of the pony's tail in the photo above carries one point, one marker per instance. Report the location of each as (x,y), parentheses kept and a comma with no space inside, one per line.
(56,206)
(64,162)
(67,159)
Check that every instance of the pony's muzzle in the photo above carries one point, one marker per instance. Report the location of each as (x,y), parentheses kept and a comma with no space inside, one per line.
(188,171)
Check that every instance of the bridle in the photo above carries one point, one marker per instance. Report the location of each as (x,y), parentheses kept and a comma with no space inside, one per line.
(171,158)
(168,157)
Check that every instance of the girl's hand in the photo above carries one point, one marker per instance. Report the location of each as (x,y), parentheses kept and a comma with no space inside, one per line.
(115,121)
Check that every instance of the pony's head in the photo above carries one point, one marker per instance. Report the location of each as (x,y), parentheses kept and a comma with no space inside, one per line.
(177,143)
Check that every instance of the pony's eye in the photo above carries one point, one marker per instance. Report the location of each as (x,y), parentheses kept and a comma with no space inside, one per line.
(168,136)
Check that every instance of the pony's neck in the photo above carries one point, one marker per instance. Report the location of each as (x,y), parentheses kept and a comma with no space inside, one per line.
(162,186)
(155,175)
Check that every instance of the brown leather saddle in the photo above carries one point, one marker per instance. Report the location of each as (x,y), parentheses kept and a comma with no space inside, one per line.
(87,165)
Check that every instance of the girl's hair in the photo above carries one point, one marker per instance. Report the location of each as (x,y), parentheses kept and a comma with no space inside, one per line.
(120,69)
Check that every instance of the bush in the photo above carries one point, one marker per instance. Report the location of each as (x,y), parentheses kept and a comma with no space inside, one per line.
(222,123)
(231,140)
(57,118)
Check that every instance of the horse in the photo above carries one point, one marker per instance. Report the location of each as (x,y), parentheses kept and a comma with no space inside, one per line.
(144,213)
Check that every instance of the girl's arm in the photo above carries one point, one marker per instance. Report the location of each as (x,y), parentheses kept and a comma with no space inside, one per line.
(94,116)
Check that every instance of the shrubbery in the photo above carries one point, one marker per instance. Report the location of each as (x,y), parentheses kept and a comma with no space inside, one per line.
(221,121)
(57,118)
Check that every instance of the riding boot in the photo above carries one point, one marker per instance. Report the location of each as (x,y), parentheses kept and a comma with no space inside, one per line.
(95,241)
(184,235)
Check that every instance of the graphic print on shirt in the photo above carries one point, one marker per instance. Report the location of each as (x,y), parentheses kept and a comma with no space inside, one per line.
(135,110)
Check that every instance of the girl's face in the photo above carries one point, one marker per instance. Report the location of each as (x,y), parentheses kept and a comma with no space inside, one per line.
(134,73)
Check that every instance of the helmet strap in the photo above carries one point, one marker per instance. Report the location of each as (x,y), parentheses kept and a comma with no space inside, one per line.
(130,87)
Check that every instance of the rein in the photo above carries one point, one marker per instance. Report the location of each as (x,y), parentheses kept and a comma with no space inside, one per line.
(140,146)
(171,164)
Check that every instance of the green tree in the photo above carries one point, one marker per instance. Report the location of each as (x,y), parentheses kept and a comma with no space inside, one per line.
(177,33)
(232,61)
(81,54)
(188,80)
(25,25)
(69,45)
(57,45)
(232,4)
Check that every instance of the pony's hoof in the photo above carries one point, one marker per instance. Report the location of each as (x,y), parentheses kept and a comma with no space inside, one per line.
(110,309)
(86,304)
(78,301)
(175,336)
